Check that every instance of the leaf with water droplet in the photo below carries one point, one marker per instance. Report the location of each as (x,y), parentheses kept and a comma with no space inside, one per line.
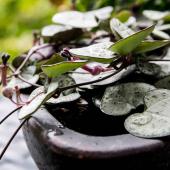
(121,99)
(153,123)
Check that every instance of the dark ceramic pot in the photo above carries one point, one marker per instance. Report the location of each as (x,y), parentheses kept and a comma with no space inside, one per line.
(56,148)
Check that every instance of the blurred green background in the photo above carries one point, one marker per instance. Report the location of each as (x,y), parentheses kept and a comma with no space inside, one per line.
(18,18)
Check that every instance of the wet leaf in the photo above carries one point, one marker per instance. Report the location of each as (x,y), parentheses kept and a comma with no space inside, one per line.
(97,52)
(153,123)
(147,46)
(121,99)
(155,15)
(57,69)
(128,44)
(120,29)
(155,96)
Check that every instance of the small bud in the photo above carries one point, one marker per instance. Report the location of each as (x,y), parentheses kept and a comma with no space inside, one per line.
(5,58)
(7,92)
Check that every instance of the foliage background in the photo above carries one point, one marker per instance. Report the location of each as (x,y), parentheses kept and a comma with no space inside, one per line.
(18,18)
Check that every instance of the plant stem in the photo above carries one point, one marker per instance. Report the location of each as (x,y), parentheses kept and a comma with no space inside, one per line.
(29,55)
(24,80)
(90,82)
(9,114)
(12,137)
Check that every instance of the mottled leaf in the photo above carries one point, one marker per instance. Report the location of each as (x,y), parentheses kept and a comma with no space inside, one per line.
(121,99)
(155,96)
(98,52)
(153,123)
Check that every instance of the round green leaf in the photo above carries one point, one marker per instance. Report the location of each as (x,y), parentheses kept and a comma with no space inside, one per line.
(153,123)
(121,99)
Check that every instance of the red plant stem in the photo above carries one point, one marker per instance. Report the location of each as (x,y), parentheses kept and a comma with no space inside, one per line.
(4,75)
(12,137)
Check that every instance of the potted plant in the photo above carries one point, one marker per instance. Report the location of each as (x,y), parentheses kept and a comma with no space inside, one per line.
(90,79)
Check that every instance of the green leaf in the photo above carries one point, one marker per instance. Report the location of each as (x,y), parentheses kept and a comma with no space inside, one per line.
(147,46)
(119,28)
(37,98)
(123,15)
(153,123)
(58,69)
(121,99)
(127,45)
(97,52)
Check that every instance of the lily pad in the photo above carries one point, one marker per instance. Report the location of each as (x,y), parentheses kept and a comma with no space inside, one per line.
(130,43)
(120,29)
(57,69)
(82,19)
(60,33)
(153,123)
(155,15)
(121,99)
(155,96)
(97,52)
